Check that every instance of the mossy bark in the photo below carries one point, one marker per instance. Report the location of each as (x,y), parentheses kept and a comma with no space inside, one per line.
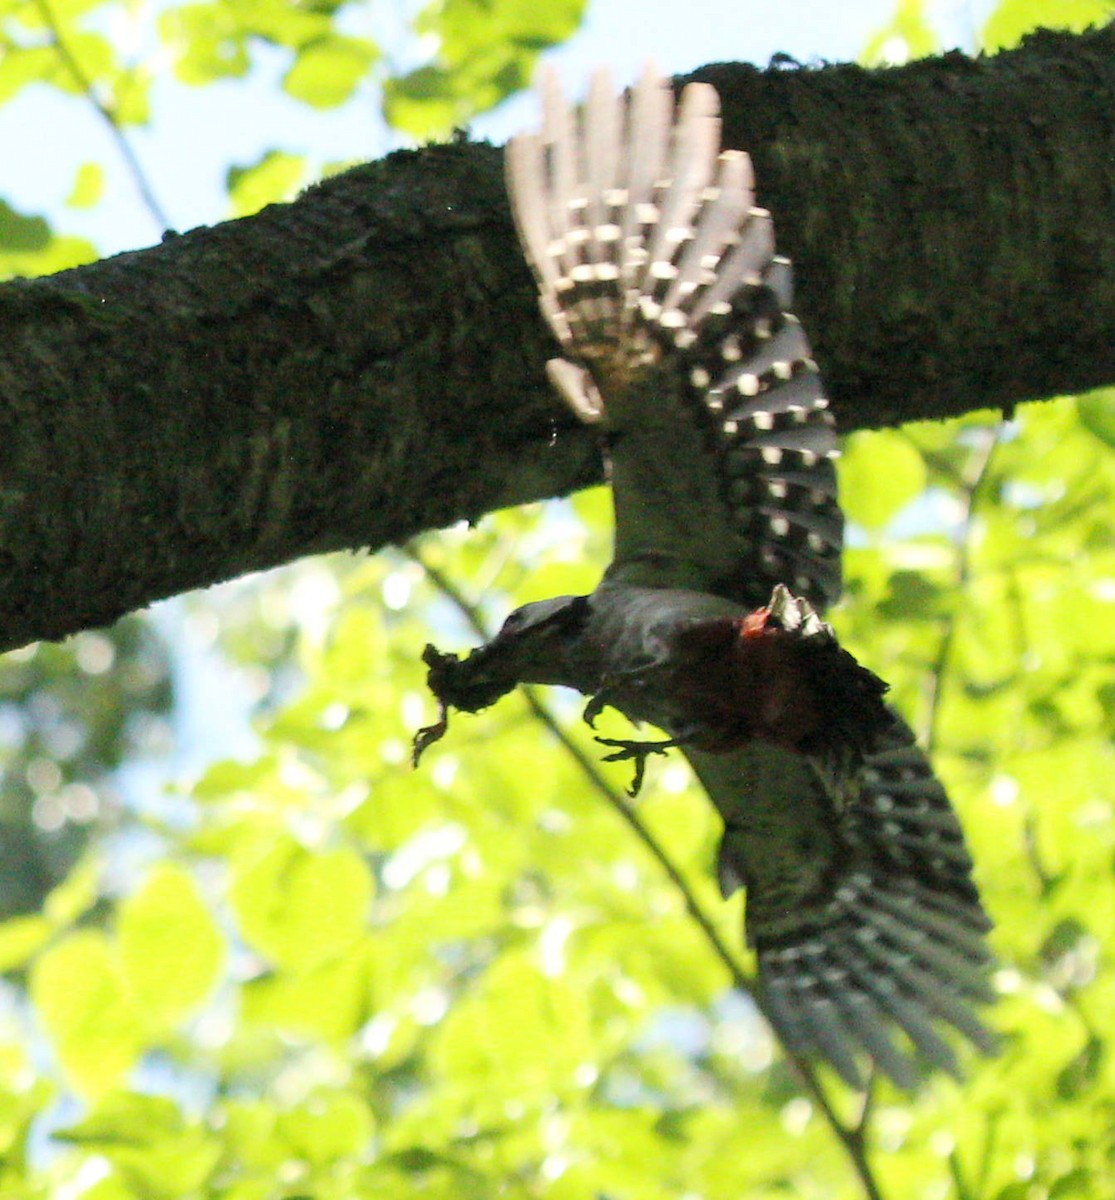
(367,362)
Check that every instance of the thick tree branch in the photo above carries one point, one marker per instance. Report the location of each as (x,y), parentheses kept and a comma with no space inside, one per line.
(367,362)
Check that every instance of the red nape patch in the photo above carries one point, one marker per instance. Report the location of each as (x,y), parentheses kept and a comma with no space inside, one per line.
(754,624)
(737,678)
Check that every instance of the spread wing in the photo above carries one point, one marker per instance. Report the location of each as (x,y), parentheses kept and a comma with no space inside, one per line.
(658,275)
(860,904)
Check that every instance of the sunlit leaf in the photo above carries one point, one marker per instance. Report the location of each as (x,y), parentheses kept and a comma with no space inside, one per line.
(274,178)
(1011,20)
(1097,414)
(326,1000)
(28,247)
(327,72)
(153,1147)
(515,1034)
(126,1116)
(19,67)
(86,1010)
(328,1126)
(486,53)
(88,186)
(880,473)
(424,103)
(299,907)
(908,35)
(465,27)
(474,977)
(207,42)
(131,96)
(170,947)
(20,938)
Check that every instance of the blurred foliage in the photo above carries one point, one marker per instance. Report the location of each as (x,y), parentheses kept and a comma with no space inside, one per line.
(486,52)
(909,34)
(275,176)
(70,715)
(28,246)
(464,58)
(315,972)
(342,977)
(1011,20)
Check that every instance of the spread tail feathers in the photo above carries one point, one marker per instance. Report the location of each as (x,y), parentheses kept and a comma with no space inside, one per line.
(871,927)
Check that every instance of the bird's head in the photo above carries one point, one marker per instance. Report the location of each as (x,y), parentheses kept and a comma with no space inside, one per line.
(529,648)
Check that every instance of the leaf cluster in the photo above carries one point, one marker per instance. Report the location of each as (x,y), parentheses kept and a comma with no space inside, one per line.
(342,976)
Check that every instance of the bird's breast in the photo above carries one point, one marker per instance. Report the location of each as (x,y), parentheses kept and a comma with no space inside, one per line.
(718,685)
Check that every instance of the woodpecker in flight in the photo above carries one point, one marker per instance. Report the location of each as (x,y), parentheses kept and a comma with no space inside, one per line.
(658,276)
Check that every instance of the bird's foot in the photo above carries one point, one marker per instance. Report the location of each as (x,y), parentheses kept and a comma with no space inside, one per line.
(613,684)
(639,751)
(595,707)
(426,736)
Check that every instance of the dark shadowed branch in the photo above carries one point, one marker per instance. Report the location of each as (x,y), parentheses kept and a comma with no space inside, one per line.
(367,362)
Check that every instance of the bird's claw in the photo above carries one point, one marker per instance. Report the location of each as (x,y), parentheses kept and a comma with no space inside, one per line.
(613,683)
(593,709)
(640,751)
(429,734)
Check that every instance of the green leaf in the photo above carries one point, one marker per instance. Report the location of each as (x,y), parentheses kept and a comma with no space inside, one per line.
(86,1011)
(170,947)
(298,907)
(501,26)
(130,102)
(22,66)
(154,1148)
(1097,414)
(423,103)
(124,1117)
(97,58)
(515,1034)
(251,1134)
(880,473)
(206,40)
(908,36)
(28,247)
(110,1187)
(1013,19)
(329,1126)
(20,938)
(19,234)
(327,1001)
(275,177)
(326,73)
(24,1095)
(487,52)
(75,895)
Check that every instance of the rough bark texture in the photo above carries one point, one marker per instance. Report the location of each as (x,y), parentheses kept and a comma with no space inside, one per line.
(368,362)
(952,223)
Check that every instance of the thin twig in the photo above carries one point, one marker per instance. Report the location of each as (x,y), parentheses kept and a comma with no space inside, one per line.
(852,1137)
(69,60)
(863,1120)
(971,482)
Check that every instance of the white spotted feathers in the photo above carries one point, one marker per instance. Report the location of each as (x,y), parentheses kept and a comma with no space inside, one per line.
(897,940)
(658,276)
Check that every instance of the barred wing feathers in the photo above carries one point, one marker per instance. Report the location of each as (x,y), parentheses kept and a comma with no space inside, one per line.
(658,276)
(860,904)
